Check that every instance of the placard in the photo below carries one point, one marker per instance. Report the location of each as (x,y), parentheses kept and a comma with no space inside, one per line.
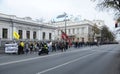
(11,48)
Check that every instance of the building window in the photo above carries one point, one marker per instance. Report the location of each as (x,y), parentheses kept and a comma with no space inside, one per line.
(43,35)
(20,33)
(77,30)
(28,34)
(5,33)
(82,39)
(50,36)
(34,35)
(68,31)
(82,30)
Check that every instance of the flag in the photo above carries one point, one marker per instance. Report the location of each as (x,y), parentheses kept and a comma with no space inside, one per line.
(16,35)
(64,35)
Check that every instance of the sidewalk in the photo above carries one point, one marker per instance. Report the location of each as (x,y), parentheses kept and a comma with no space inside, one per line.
(2,50)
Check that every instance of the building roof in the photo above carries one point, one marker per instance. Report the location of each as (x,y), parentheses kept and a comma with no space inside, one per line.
(26,20)
(72,23)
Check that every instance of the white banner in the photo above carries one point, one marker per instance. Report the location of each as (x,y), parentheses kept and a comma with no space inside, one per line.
(11,48)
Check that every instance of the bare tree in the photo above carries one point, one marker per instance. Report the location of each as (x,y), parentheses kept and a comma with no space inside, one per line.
(113,5)
(95,30)
(107,35)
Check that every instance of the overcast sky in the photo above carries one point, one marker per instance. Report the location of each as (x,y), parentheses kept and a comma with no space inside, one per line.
(49,9)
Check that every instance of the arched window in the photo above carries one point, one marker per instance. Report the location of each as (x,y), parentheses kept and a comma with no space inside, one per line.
(28,34)
(20,33)
(43,36)
(34,35)
(4,33)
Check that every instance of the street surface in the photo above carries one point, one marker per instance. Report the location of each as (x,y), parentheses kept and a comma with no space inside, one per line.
(104,59)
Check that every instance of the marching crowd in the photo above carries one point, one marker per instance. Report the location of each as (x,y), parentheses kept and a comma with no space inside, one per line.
(33,47)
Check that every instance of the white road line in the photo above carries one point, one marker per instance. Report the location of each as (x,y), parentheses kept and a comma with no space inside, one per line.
(106,51)
(27,59)
(23,60)
(44,71)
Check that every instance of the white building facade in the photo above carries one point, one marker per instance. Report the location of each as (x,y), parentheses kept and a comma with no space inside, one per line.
(25,27)
(32,30)
(77,31)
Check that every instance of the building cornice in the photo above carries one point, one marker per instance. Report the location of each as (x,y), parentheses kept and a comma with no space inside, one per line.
(14,19)
(76,25)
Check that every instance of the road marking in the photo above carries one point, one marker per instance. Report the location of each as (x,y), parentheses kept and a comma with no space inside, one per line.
(106,51)
(23,60)
(12,62)
(44,71)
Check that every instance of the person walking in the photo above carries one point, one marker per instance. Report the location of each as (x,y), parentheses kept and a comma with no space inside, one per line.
(22,47)
(31,47)
(26,47)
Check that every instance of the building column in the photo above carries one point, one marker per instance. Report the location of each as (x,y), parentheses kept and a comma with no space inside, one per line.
(53,35)
(39,35)
(9,33)
(31,34)
(47,35)
(24,34)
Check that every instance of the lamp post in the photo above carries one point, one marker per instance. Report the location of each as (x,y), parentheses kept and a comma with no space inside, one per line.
(0,42)
(64,15)
(12,28)
(65,23)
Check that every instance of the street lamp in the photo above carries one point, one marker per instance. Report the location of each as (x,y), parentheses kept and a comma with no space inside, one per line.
(12,27)
(64,15)
(65,23)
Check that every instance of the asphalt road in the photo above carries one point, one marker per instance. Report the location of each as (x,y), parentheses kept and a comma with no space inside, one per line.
(89,60)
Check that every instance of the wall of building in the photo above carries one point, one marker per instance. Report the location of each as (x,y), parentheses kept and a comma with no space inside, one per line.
(81,29)
(15,26)
(77,31)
